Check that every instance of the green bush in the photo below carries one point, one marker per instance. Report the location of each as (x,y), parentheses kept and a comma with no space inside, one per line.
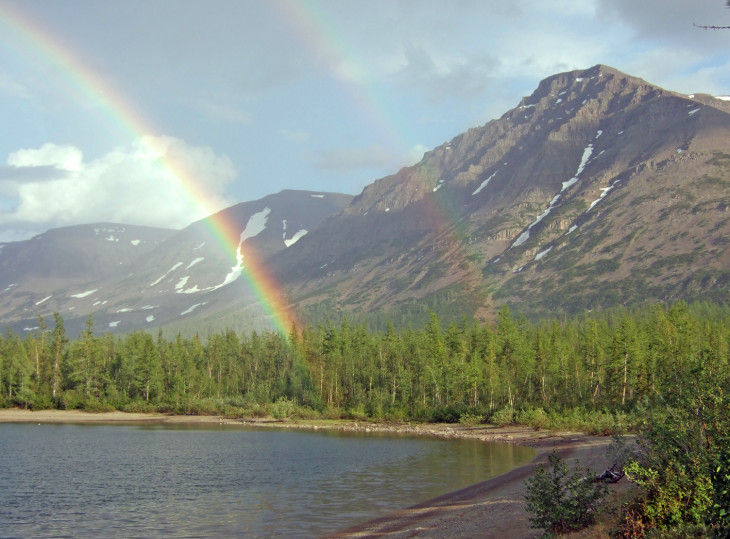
(469,418)
(560,503)
(503,417)
(446,414)
(69,400)
(139,406)
(283,408)
(92,404)
(534,417)
(676,495)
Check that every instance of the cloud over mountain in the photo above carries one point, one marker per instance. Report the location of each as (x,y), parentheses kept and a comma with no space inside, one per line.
(148,183)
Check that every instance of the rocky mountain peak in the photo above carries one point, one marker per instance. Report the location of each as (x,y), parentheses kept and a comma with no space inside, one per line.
(597,189)
(493,206)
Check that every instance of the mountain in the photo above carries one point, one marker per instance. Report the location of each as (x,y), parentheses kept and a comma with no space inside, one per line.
(66,259)
(139,278)
(597,190)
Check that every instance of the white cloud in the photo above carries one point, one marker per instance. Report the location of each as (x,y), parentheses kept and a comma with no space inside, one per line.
(157,181)
(63,157)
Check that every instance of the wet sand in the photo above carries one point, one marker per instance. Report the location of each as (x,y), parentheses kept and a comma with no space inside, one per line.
(492,508)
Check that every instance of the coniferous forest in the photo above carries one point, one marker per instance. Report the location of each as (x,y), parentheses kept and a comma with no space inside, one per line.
(601,369)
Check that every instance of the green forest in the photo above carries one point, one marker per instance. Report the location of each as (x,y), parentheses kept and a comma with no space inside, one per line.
(605,368)
(659,371)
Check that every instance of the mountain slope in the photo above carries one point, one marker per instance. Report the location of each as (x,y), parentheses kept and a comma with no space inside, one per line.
(182,275)
(69,261)
(598,189)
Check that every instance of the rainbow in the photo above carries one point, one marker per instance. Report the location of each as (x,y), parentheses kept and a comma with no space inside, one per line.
(307,20)
(40,46)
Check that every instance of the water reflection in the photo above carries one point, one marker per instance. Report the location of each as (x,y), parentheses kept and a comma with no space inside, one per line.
(157,480)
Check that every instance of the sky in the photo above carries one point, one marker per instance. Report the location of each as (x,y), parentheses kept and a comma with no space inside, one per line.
(160,112)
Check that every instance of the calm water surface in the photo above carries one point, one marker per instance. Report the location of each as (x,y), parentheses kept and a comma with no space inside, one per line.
(151,481)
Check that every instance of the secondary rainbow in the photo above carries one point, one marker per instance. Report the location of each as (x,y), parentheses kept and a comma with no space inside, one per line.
(40,46)
(320,35)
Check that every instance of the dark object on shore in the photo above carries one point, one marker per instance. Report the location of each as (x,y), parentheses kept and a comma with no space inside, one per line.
(610,476)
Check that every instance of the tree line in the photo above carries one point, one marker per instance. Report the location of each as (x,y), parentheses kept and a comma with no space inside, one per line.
(610,362)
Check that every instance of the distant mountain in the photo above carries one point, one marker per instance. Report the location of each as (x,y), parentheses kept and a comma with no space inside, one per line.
(137,278)
(599,189)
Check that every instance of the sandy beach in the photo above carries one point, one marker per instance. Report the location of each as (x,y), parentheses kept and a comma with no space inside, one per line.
(492,508)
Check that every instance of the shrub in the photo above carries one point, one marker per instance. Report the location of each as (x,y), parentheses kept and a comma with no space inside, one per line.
(468,418)
(283,408)
(503,417)
(446,414)
(94,405)
(534,417)
(560,503)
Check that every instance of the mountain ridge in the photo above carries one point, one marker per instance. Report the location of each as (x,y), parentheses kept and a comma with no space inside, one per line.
(513,186)
(598,189)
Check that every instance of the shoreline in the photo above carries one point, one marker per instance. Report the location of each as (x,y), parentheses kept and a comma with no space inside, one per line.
(491,508)
(488,433)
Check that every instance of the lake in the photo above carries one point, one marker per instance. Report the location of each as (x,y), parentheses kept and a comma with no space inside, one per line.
(193,481)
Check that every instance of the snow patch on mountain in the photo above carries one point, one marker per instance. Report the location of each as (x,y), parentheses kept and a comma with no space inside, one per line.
(587,152)
(539,255)
(43,300)
(115,323)
(84,294)
(256,224)
(483,185)
(150,318)
(173,268)
(295,238)
(603,194)
(135,242)
(182,282)
(317,196)
(180,286)
(111,230)
(192,308)
(192,290)
(195,261)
